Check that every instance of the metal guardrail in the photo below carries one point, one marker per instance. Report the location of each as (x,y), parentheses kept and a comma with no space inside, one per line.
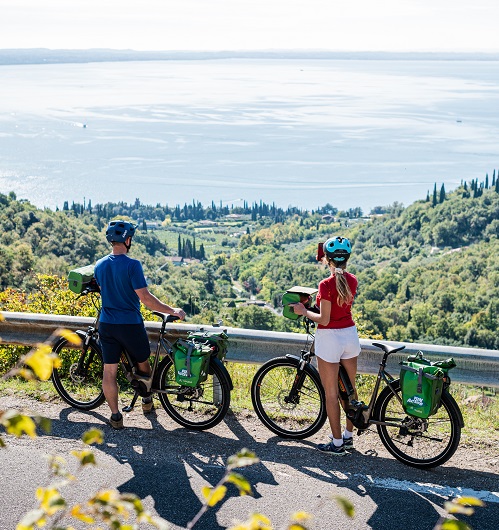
(474,366)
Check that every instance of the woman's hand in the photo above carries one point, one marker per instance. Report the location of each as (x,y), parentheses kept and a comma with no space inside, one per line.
(299,309)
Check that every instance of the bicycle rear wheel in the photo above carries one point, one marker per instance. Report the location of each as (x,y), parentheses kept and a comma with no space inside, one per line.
(79,379)
(290,416)
(196,408)
(421,443)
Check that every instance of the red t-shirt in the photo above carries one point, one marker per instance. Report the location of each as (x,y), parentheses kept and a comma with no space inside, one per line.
(341,316)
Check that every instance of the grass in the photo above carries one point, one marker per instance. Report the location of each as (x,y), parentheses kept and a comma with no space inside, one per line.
(479,406)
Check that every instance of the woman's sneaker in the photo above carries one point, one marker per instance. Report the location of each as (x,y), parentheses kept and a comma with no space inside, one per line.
(332,449)
(348,442)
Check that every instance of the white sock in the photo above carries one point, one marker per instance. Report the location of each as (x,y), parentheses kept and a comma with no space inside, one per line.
(338,443)
(347,434)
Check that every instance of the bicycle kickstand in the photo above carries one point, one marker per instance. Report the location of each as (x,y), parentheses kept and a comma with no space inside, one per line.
(129,408)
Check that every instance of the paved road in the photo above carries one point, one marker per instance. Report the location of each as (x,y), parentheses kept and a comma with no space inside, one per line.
(167,466)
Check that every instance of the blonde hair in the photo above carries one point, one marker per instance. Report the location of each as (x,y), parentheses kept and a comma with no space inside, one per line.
(345,295)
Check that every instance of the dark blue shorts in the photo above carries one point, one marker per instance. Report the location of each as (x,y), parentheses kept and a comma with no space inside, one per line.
(114,338)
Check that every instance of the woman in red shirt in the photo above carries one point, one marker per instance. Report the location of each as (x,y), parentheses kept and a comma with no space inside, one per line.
(336,338)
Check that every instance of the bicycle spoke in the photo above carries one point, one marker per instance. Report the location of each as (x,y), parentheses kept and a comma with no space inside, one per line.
(199,408)
(414,441)
(295,417)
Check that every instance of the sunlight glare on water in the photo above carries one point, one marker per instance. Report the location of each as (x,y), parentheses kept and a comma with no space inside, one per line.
(294,132)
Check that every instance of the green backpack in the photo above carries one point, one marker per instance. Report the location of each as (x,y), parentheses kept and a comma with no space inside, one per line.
(293,296)
(191,362)
(80,278)
(218,341)
(422,384)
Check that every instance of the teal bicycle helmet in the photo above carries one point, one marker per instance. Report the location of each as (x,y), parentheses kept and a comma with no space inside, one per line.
(338,249)
(119,231)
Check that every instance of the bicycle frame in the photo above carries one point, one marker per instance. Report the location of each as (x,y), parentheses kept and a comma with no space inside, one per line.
(290,400)
(357,411)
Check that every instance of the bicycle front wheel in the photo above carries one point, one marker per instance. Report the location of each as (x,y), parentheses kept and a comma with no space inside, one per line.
(290,406)
(79,379)
(421,443)
(200,407)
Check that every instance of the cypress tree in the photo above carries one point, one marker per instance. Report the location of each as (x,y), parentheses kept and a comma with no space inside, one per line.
(434,202)
(179,252)
(486,181)
(442,194)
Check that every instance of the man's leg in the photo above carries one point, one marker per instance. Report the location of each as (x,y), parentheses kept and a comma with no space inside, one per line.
(144,368)
(110,386)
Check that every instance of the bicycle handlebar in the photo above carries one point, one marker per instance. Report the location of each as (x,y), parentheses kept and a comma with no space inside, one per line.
(165,317)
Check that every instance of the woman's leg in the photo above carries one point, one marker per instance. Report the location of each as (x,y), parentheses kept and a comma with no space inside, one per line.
(350,366)
(329,380)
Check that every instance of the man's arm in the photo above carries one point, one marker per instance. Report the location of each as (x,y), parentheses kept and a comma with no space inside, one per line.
(154,304)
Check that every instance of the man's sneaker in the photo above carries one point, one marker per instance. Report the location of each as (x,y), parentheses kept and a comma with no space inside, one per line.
(348,442)
(117,421)
(331,449)
(147,407)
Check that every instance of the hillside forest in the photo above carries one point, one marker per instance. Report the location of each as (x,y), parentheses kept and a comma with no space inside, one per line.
(428,272)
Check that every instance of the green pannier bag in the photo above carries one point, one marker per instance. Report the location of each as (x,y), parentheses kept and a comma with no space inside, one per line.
(218,341)
(422,386)
(191,362)
(80,278)
(293,296)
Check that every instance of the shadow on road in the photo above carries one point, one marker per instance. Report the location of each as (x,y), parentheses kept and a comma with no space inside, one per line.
(170,458)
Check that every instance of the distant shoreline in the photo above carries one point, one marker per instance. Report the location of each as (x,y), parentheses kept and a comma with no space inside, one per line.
(49,56)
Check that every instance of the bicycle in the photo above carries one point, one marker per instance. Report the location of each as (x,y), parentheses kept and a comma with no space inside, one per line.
(79,378)
(289,399)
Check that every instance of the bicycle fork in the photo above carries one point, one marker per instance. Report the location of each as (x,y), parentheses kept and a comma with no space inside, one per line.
(294,394)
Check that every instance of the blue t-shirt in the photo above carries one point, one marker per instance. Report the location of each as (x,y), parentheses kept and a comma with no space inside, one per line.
(118,277)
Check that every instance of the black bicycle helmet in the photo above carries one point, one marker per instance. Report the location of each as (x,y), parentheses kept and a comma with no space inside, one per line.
(338,249)
(119,231)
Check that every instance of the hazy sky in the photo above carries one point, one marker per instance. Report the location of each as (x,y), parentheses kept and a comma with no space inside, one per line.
(392,25)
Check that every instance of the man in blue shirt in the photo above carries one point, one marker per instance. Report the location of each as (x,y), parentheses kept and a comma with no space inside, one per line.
(123,286)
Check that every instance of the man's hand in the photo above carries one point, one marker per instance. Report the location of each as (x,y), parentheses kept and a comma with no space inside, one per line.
(180,313)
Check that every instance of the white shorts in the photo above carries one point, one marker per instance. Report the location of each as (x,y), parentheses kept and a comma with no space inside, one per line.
(332,345)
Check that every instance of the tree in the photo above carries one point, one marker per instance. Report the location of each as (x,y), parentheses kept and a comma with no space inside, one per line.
(441,198)
(254,317)
(434,202)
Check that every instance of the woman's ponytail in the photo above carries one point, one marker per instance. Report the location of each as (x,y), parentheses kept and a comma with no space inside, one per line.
(345,295)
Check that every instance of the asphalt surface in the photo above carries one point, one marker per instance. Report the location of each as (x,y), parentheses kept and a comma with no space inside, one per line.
(167,465)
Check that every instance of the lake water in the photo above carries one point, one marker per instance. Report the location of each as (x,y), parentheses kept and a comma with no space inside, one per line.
(294,132)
